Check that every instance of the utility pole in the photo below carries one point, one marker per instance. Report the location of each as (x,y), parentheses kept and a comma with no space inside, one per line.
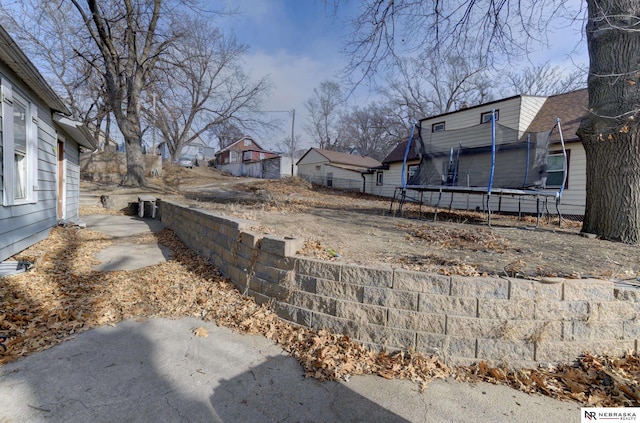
(153,127)
(293,144)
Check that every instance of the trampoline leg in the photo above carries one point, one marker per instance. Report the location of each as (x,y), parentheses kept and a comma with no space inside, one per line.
(420,206)
(393,199)
(546,208)
(488,210)
(435,215)
(559,214)
(520,208)
(403,197)
(537,211)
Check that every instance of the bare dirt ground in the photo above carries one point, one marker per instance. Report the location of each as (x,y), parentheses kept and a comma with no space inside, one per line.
(356,228)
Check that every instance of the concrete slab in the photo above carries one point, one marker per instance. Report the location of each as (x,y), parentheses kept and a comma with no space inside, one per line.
(121,255)
(124,257)
(158,370)
(121,226)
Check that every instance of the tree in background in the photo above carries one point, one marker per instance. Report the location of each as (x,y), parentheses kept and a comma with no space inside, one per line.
(226,133)
(325,107)
(200,84)
(610,132)
(371,131)
(48,32)
(123,43)
(543,80)
(434,84)
(111,57)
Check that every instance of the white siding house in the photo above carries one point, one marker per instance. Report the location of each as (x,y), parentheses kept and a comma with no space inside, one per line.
(39,160)
(336,170)
(524,114)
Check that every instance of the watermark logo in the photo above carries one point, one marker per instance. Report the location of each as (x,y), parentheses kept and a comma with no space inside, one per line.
(610,414)
(590,415)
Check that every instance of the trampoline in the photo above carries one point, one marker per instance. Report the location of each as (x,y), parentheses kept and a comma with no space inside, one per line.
(488,160)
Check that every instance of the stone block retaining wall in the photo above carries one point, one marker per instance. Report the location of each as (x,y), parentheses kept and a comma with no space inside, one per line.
(507,321)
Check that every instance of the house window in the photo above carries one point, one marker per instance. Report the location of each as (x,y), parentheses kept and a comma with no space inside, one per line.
(317,167)
(329,179)
(247,142)
(411,170)
(437,127)
(19,152)
(233,157)
(379,178)
(555,169)
(486,117)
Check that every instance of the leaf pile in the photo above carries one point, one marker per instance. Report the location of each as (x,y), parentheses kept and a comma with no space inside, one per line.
(595,381)
(317,250)
(432,262)
(461,238)
(62,296)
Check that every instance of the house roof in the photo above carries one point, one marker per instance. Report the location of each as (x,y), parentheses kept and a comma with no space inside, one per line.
(336,157)
(570,107)
(476,106)
(397,154)
(19,63)
(242,147)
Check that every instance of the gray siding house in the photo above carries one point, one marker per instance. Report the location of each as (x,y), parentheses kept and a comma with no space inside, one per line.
(39,153)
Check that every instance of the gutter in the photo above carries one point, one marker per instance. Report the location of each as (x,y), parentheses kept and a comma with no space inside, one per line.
(76,130)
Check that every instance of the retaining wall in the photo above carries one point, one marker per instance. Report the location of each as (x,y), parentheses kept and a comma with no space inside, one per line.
(510,321)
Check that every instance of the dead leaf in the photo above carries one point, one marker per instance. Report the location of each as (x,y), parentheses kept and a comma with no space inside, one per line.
(201,332)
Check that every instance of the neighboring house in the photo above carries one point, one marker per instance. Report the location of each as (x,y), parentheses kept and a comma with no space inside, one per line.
(336,170)
(195,150)
(384,179)
(523,115)
(242,158)
(40,147)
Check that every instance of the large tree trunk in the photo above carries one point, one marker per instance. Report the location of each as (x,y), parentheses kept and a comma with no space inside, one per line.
(132,132)
(135,171)
(611,131)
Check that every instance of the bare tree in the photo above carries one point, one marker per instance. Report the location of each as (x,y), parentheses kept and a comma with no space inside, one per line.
(200,84)
(432,85)
(226,133)
(610,132)
(370,131)
(544,80)
(47,31)
(127,37)
(285,146)
(324,109)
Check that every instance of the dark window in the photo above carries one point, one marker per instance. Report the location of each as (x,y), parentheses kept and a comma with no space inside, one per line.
(437,127)
(379,178)
(411,170)
(486,117)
